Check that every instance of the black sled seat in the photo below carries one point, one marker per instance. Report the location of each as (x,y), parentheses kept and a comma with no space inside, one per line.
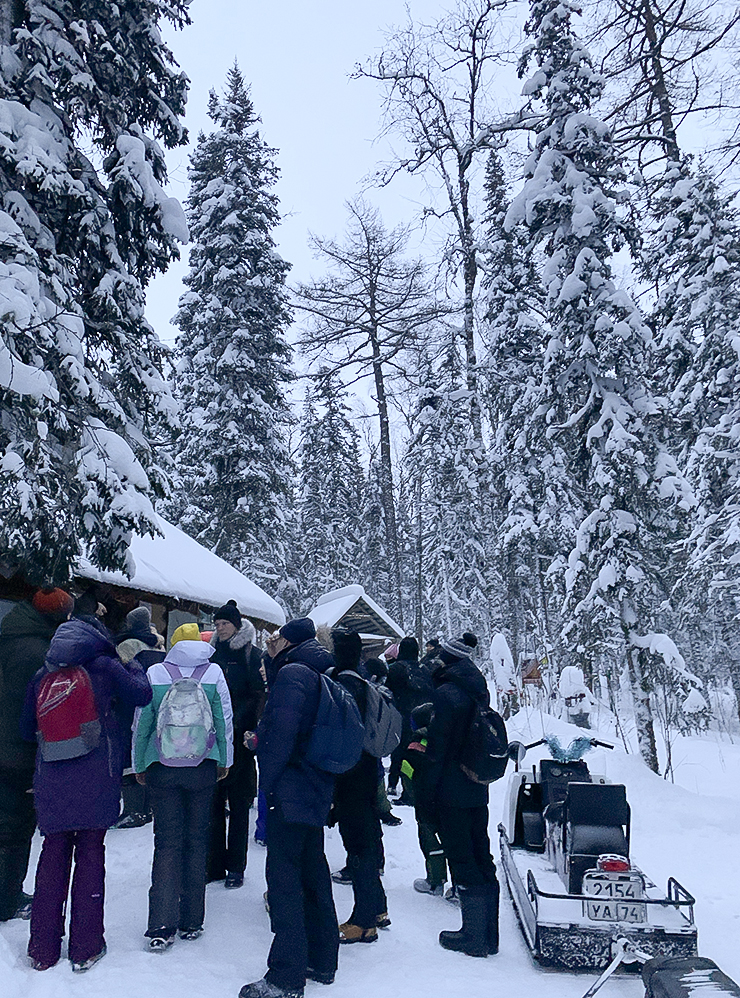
(686,977)
(597,821)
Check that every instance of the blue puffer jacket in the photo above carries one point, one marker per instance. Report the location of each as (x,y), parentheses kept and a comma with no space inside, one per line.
(75,794)
(302,792)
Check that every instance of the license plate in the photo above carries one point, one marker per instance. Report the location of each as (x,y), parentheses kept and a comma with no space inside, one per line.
(613,886)
(615,911)
(616,897)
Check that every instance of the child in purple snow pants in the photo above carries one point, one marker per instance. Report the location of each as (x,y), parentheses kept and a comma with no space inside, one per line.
(86,938)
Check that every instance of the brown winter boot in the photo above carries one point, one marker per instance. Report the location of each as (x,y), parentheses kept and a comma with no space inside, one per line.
(349,933)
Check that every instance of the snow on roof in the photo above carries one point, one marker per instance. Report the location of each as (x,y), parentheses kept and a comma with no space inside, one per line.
(333,606)
(176,565)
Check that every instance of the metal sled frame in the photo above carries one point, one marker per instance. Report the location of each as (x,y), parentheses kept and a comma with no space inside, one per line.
(567,938)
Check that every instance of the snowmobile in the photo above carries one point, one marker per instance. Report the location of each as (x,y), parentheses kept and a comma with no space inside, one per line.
(581,901)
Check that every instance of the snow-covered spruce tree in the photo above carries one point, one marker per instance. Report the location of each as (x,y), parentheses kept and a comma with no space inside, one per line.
(598,408)
(331,493)
(87,92)
(376,573)
(695,255)
(442,461)
(511,374)
(231,452)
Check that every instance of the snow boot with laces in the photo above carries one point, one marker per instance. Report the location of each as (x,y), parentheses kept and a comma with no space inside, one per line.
(472,938)
(264,989)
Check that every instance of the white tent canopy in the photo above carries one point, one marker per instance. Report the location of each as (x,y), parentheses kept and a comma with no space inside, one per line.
(175,565)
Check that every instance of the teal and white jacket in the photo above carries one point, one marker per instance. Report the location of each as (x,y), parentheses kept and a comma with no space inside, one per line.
(187,656)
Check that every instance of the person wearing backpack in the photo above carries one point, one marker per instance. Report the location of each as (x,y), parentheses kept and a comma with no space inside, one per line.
(25,634)
(299,795)
(355,806)
(234,641)
(411,685)
(77,784)
(459,803)
(182,743)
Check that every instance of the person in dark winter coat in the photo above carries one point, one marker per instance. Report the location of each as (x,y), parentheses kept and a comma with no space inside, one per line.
(139,642)
(299,797)
(25,634)
(416,769)
(234,641)
(460,804)
(355,800)
(411,685)
(78,799)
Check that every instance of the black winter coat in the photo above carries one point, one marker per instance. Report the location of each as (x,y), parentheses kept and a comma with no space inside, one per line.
(25,635)
(459,687)
(358,785)
(302,792)
(240,662)
(411,685)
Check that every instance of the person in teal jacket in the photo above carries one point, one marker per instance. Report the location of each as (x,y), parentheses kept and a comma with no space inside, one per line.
(180,793)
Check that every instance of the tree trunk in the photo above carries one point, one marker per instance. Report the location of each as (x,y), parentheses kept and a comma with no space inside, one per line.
(11,16)
(419,587)
(386,487)
(658,83)
(643,712)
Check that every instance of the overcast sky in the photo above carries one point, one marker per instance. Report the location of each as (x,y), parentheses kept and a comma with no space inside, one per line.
(297,56)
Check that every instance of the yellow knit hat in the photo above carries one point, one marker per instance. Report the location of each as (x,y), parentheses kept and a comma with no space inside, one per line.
(186,632)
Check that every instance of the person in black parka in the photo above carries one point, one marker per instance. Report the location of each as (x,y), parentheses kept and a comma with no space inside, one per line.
(234,639)
(299,796)
(411,685)
(25,635)
(461,805)
(355,799)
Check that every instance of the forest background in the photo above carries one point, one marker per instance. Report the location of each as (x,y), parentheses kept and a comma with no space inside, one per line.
(510,405)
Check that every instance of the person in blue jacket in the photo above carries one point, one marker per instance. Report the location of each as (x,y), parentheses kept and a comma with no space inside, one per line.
(78,799)
(299,797)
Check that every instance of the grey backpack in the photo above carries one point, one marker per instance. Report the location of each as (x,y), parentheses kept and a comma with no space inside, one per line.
(383,723)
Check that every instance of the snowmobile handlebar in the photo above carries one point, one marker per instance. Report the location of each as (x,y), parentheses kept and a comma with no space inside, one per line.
(517,750)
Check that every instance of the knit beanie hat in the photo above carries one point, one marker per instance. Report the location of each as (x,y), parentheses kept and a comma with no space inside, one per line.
(138,625)
(299,630)
(347,648)
(53,602)
(453,649)
(230,612)
(470,639)
(186,632)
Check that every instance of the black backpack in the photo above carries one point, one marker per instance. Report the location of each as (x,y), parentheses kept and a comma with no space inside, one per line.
(336,739)
(484,753)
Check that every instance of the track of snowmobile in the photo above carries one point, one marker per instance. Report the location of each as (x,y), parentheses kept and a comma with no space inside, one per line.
(694,837)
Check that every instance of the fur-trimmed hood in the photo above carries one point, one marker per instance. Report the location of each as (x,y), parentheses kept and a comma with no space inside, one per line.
(246,635)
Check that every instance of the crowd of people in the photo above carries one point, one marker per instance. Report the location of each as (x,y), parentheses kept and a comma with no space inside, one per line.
(88,719)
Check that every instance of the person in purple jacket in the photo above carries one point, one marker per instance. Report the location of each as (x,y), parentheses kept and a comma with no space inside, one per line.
(78,799)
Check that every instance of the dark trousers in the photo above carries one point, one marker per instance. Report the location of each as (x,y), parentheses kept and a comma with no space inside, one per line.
(464,835)
(434,854)
(135,797)
(362,838)
(397,757)
(301,904)
(181,801)
(17,824)
(228,849)
(50,896)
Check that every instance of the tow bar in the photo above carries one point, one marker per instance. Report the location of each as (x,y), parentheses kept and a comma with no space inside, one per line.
(624,952)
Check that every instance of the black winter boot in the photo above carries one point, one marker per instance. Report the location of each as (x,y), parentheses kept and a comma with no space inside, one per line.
(472,938)
(492,913)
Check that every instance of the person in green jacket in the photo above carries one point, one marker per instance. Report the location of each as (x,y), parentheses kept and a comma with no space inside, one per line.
(25,634)
(181,789)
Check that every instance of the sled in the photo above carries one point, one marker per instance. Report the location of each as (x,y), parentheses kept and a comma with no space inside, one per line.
(581,901)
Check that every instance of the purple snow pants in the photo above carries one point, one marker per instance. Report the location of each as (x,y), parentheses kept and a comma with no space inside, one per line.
(50,896)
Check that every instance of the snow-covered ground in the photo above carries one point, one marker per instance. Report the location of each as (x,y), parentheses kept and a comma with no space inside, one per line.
(690,830)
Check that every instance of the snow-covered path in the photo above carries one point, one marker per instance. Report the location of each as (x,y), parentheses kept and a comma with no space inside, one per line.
(675,832)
